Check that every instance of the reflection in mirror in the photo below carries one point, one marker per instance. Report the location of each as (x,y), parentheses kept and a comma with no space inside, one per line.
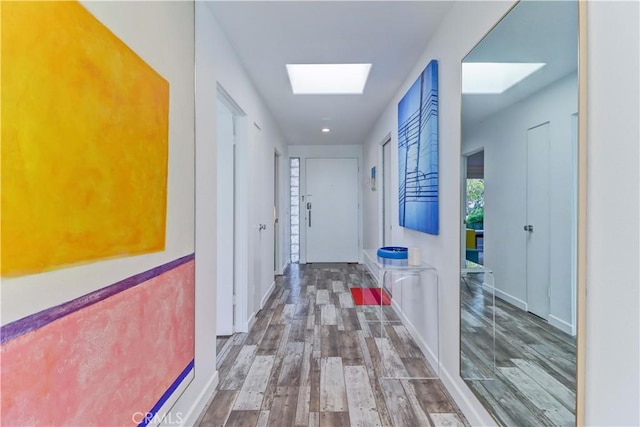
(518,275)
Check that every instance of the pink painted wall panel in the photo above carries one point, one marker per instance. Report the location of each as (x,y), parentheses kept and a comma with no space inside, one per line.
(103,363)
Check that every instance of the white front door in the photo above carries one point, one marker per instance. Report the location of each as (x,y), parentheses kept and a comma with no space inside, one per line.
(537,224)
(332,210)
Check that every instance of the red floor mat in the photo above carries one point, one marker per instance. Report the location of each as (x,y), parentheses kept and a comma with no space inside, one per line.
(370,296)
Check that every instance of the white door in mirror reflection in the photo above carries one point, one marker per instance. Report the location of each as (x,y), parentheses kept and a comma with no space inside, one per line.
(537,224)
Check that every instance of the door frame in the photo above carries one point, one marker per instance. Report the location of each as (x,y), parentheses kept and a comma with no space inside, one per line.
(304,152)
(385,192)
(277,229)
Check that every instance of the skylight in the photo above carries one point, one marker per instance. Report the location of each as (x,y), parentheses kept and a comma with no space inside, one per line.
(495,77)
(328,79)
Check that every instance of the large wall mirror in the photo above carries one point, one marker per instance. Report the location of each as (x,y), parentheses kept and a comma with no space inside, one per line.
(519,275)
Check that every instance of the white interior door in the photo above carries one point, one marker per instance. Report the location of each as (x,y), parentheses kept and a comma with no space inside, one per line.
(225,220)
(332,210)
(386,193)
(537,225)
(276,213)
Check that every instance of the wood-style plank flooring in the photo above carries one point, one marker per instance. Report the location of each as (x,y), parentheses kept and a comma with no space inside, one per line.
(533,383)
(313,358)
(222,340)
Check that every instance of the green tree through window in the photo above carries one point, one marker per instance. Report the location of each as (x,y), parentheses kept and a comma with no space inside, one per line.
(475,204)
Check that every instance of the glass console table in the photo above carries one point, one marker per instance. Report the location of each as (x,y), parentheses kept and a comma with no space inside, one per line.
(407,319)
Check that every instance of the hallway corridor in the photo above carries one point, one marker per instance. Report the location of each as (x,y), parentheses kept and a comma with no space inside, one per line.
(313,358)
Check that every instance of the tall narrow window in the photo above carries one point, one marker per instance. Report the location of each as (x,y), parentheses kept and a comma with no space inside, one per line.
(295,208)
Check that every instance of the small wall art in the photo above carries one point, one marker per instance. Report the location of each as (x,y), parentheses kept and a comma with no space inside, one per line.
(373,178)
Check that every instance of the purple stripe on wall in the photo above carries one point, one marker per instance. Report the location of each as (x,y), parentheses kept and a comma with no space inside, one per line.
(149,416)
(38,320)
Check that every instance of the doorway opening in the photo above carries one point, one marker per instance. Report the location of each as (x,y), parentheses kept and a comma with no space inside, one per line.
(226,145)
(276,214)
(474,208)
(231,190)
(386,193)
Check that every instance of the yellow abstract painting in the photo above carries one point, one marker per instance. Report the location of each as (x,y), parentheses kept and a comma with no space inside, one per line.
(85,126)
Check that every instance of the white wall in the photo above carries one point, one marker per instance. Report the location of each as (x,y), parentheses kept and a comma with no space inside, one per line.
(449,45)
(504,138)
(613,296)
(216,63)
(613,334)
(161,33)
(328,151)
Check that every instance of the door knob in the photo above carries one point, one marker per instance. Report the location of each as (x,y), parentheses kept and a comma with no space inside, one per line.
(528,228)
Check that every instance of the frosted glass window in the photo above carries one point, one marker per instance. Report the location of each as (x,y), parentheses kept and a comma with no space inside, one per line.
(294,173)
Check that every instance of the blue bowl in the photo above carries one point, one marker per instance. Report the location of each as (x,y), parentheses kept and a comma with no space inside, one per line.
(393,252)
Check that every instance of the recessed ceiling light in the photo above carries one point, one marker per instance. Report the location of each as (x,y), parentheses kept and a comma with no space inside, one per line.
(328,79)
(325,130)
(495,77)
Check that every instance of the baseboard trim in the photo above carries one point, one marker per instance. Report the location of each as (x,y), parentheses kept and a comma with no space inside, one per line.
(283,268)
(267,295)
(251,321)
(522,305)
(202,402)
(562,325)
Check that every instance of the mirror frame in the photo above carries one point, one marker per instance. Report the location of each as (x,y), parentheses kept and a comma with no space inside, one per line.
(581,243)
(581,291)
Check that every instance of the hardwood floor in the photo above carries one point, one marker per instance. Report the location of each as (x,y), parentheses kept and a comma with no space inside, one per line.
(533,382)
(313,358)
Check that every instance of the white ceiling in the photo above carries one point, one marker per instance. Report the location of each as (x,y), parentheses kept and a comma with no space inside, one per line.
(391,35)
(266,35)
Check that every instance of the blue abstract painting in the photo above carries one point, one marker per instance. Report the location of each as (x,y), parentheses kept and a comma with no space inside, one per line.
(418,153)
